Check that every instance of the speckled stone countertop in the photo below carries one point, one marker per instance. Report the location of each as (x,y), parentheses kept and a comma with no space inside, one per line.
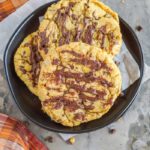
(132,131)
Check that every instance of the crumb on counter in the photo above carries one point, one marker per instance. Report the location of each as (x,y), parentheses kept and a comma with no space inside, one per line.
(71,140)
(139,28)
(48,139)
(111,130)
(117,63)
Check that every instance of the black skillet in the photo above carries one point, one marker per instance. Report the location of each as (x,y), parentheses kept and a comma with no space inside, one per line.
(30,105)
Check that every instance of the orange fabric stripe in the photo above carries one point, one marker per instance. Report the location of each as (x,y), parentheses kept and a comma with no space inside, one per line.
(18,3)
(15,131)
(9,6)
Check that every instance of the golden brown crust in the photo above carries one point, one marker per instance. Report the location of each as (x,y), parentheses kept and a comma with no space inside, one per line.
(88,21)
(27,60)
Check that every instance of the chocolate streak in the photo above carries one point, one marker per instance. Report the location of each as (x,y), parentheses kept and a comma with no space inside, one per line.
(72,53)
(34,61)
(60,101)
(60,19)
(88,36)
(44,41)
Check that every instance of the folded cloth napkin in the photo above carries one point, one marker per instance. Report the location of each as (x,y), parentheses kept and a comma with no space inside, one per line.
(9,6)
(14,135)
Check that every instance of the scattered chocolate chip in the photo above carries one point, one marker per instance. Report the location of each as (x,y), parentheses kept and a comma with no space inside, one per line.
(139,28)
(111,131)
(117,63)
(48,139)
(23,70)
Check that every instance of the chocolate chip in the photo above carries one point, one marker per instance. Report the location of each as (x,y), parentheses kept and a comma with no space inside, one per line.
(139,28)
(88,36)
(117,63)
(111,131)
(23,70)
(48,139)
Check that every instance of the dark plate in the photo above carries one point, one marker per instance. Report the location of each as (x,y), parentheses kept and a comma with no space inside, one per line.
(30,105)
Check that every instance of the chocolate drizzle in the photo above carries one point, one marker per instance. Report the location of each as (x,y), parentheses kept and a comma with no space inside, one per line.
(78,35)
(93,64)
(60,19)
(35,59)
(44,41)
(23,70)
(102,31)
(111,38)
(72,53)
(86,21)
(60,101)
(89,107)
(82,90)
(105,83)
(88,35)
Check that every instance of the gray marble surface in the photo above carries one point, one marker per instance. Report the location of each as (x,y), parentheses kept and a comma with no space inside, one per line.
(132,131)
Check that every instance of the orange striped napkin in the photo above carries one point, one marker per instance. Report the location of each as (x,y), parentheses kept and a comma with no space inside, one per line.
(9,6)
(14,135)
